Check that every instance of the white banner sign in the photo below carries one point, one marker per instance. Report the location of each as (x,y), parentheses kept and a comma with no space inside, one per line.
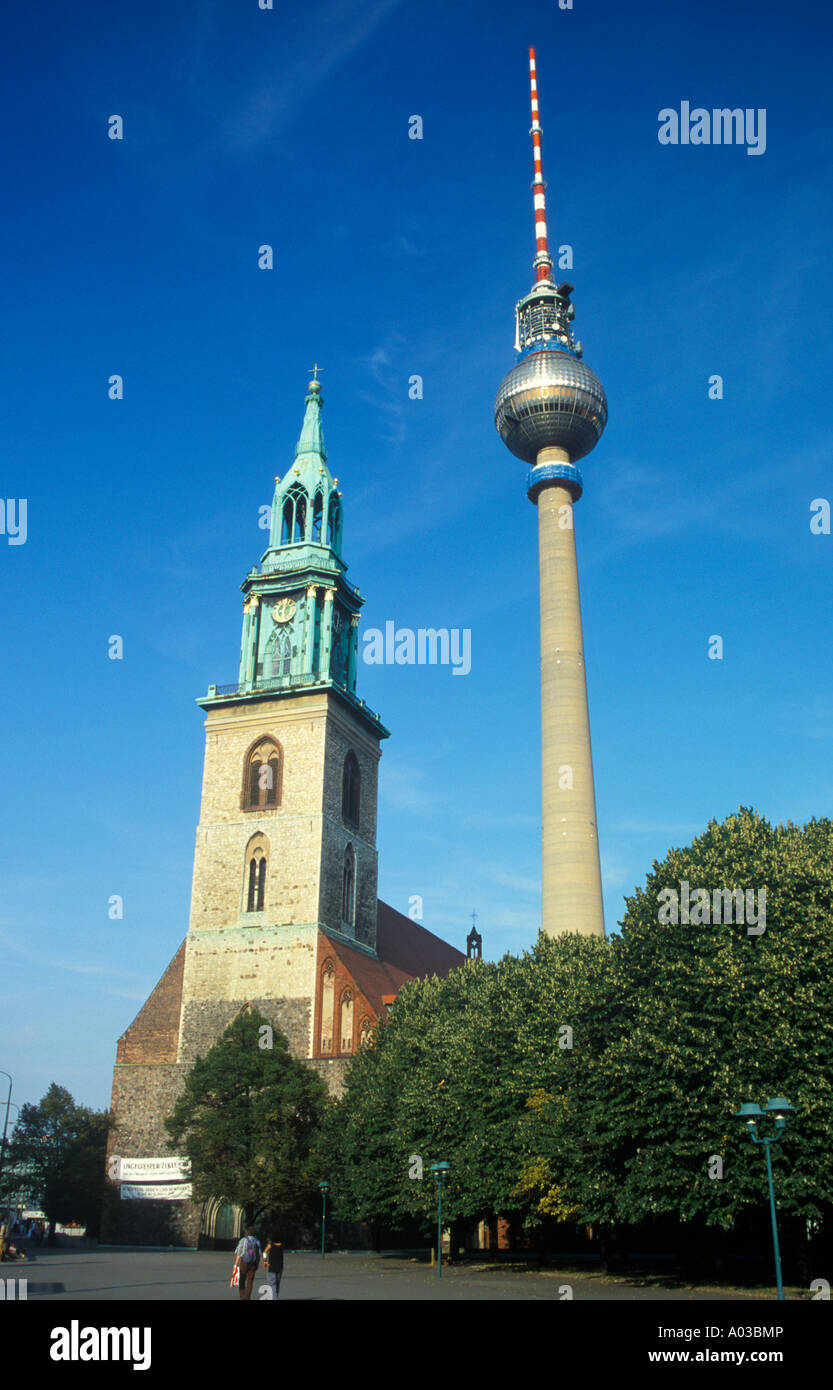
(154,1169)
(156,1192)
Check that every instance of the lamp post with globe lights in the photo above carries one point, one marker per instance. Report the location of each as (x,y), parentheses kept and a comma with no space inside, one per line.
(441,1172)
(750,1113)
(323,1188)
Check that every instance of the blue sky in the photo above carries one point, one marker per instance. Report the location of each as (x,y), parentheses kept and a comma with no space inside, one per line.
(396,257)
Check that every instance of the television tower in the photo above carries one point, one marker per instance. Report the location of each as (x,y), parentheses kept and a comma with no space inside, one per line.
(550,411)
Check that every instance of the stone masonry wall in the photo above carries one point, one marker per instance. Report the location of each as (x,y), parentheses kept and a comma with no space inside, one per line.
(345,734)
(205,1021)
(142,1095)
(224,970)
(293,829)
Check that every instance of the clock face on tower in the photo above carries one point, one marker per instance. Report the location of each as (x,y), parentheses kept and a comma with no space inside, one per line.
(284,610)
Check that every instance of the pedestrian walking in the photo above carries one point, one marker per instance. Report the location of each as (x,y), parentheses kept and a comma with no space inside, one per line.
(246,1261)
(273,1262)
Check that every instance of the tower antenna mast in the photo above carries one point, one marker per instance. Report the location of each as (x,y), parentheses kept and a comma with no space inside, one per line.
(543,260)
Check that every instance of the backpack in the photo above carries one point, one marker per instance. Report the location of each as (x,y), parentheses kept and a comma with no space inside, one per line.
(250,1255)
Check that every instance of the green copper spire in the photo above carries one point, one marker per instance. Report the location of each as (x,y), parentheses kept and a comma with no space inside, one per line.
(306,507)
(300,615)
(312,435)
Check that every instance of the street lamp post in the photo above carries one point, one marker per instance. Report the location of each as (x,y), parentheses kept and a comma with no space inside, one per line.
(751,1113)
(323,1188)
(6,1121)
(441,1173)
(5,1125)
(11,1106)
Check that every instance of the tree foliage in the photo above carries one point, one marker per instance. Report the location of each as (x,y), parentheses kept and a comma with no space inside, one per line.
(247,1119)
(621,1118)
(56,1158)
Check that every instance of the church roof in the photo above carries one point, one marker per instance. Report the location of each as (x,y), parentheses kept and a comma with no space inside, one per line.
(406,952)
(154,1032)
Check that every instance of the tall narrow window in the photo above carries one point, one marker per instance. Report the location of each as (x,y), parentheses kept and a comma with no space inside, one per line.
(348,896)
(281,654)
(364,1032)
(347,1022)
(262,776)
(327,1000)
(254,873)
(351,789)
(317,517)
(256,896)
(300,528)
(283,649)
(334,523)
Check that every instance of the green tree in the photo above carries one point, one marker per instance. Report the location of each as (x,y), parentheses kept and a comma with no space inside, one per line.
(596,1081)
(56,1159)
(247,1119)
(576,1008)
(441,1081)
(701,1018)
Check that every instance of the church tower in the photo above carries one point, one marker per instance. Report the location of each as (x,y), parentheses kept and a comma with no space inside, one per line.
(284,912)
(286,842)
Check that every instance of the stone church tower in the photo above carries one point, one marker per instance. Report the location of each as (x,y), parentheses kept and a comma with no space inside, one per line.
(284,907)
(286,844)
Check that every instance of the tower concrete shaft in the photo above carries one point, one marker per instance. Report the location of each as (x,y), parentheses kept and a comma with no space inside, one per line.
(571,871)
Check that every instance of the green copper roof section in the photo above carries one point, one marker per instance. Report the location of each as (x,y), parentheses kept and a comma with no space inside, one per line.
(300,632)
(306,505)
(312,435)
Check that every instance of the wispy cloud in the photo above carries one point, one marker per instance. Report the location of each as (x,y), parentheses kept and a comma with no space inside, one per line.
(56,963)
(404,788)
(391,400)
(813,720)
(617,878)
(402,246)
(346,27)
(631,826)
(519,883)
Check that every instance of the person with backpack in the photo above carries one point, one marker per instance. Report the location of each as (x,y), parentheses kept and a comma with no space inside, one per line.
(246,1260)
(273,1262)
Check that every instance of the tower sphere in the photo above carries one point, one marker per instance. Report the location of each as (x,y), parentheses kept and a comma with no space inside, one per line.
(550,400)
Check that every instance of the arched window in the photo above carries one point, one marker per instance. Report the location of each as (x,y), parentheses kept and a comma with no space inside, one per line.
(317,517)
(327,999)
(351,783)
(282,653)
(300,500)
(286,522)
(348,894)
(334,523)
(364,1032)
(347,1021)
(294,516)
(262,776)
(256,885)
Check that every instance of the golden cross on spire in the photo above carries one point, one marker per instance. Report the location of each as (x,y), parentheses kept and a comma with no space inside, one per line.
(315,371)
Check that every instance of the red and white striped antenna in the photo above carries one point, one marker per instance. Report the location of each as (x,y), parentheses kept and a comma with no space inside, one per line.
(543,261)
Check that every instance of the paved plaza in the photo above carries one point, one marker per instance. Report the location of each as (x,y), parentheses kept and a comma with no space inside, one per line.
(170,1275)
